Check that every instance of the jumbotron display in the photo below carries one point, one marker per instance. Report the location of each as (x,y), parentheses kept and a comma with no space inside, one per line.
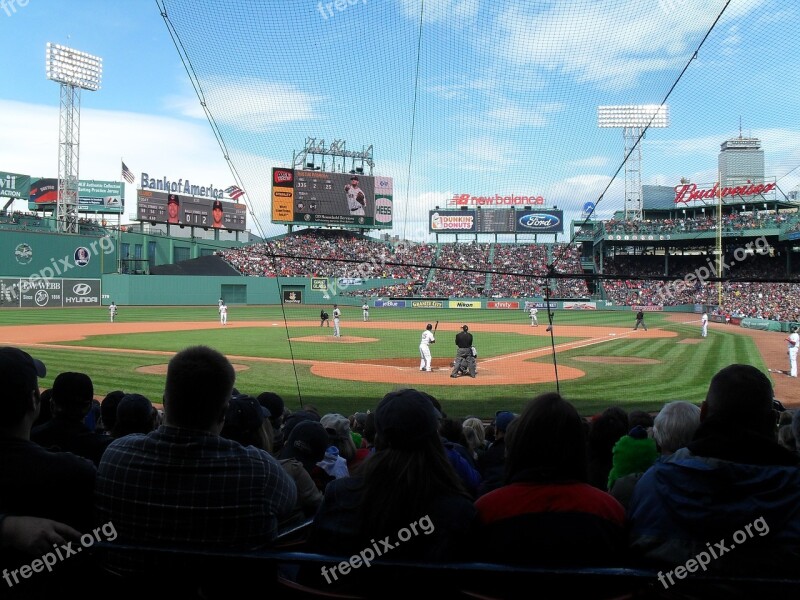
(177,209)
(302,197)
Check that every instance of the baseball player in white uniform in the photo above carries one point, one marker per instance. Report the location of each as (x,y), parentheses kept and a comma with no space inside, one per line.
(112,311)
(425,349)
(794,345)
(336,314)
(223,314)
(365,310)
(533,312)
(356,200)
(704,324)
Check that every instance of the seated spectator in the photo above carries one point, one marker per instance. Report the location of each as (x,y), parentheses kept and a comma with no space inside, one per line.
(673,428)
(547,512)
(244,422)
(605,431)
(73,395)
(407,480)
(108,410)
(493,464)
(276,409)
(45,414)
(307,444)
(338,428)
(135,414)
(37,487)
(733,476)
(184,484)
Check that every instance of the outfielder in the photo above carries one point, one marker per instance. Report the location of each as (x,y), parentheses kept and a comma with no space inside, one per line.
(365,310)
(533,312)
(223,314)
(794,345)
(336,314)
(112,311)
(356,201)
(424,348)
(704,324)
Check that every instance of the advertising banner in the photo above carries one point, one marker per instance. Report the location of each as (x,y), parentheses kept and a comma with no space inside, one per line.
(390,303)
(427,304)
(81,292)
(464,304)
(13,185)
(498,305)
(319,284)
(540,221)
(292,297)
(451,221)
(580,305)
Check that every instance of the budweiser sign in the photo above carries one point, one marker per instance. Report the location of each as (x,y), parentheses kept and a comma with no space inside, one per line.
(688,192)
(496,200)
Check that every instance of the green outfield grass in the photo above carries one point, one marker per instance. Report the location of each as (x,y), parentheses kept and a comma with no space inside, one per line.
(682,370)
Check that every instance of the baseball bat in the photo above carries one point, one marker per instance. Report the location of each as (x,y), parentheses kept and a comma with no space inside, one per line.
(435,326)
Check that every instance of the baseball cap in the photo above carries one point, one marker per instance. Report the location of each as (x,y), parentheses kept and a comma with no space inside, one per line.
(337,426)
(306,443)
(273,403)
(217,204)
(19,369)
(173,199)
(353,177)
(245,414)
(465,328)
(72,389)
(404,418)
(502,419)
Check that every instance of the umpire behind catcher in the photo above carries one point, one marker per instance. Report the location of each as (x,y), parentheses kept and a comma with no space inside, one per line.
(464,343)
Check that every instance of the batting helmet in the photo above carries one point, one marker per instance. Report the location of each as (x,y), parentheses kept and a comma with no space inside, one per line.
(428,326)
(465,328)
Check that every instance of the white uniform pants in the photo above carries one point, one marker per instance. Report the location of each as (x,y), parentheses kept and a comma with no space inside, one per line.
(425,357)
(336,328)
(793,362)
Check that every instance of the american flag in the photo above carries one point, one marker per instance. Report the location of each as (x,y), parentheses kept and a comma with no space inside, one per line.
(127,174)
(234,192)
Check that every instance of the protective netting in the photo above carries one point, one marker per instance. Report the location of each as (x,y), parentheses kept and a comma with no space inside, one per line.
(467,97)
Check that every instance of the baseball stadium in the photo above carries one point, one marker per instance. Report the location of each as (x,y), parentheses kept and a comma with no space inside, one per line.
(483,242)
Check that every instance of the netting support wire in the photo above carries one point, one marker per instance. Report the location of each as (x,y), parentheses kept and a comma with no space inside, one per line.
(413,118)
(195,81)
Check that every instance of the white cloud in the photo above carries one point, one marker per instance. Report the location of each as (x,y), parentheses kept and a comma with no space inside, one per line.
(249,103)
(591,162)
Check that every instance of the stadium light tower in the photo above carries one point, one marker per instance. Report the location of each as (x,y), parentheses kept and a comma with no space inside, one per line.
(633,120)
(75,71)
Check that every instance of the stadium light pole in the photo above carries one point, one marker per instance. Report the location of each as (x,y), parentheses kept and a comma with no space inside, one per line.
(75,71)
(634,120)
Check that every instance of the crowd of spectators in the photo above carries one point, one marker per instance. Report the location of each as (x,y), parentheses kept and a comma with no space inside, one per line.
(222,469)
(731,222)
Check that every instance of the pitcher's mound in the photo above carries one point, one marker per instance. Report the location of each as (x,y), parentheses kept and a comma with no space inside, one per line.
(329,339)
(618,360)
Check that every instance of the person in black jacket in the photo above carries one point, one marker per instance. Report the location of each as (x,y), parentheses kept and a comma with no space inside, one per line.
(464,343)
(640,321)
(323,318)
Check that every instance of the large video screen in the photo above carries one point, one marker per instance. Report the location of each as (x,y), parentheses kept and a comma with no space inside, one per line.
(496,220)
(321,198)
(177,209)
(93,196)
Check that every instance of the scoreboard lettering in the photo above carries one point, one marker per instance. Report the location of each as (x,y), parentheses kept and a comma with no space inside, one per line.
(177,209)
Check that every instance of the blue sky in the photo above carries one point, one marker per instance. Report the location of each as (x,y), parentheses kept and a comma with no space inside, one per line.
(506,97)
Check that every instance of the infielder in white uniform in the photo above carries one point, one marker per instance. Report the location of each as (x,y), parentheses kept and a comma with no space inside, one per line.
(794,345)
(533,312)
(365,310)
(336,314)
(424,348)
(356,200)
(704,324)
(223,314)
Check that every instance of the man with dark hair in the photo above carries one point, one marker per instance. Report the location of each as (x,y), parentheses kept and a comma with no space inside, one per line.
(464,353)
(33,481)
(732,479)
(183,483)
(73,394)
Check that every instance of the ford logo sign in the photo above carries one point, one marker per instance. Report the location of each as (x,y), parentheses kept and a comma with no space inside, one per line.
(539,221)
(81,289)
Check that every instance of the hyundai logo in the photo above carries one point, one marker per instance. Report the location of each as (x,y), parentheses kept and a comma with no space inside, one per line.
(81,289)
(539,221)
